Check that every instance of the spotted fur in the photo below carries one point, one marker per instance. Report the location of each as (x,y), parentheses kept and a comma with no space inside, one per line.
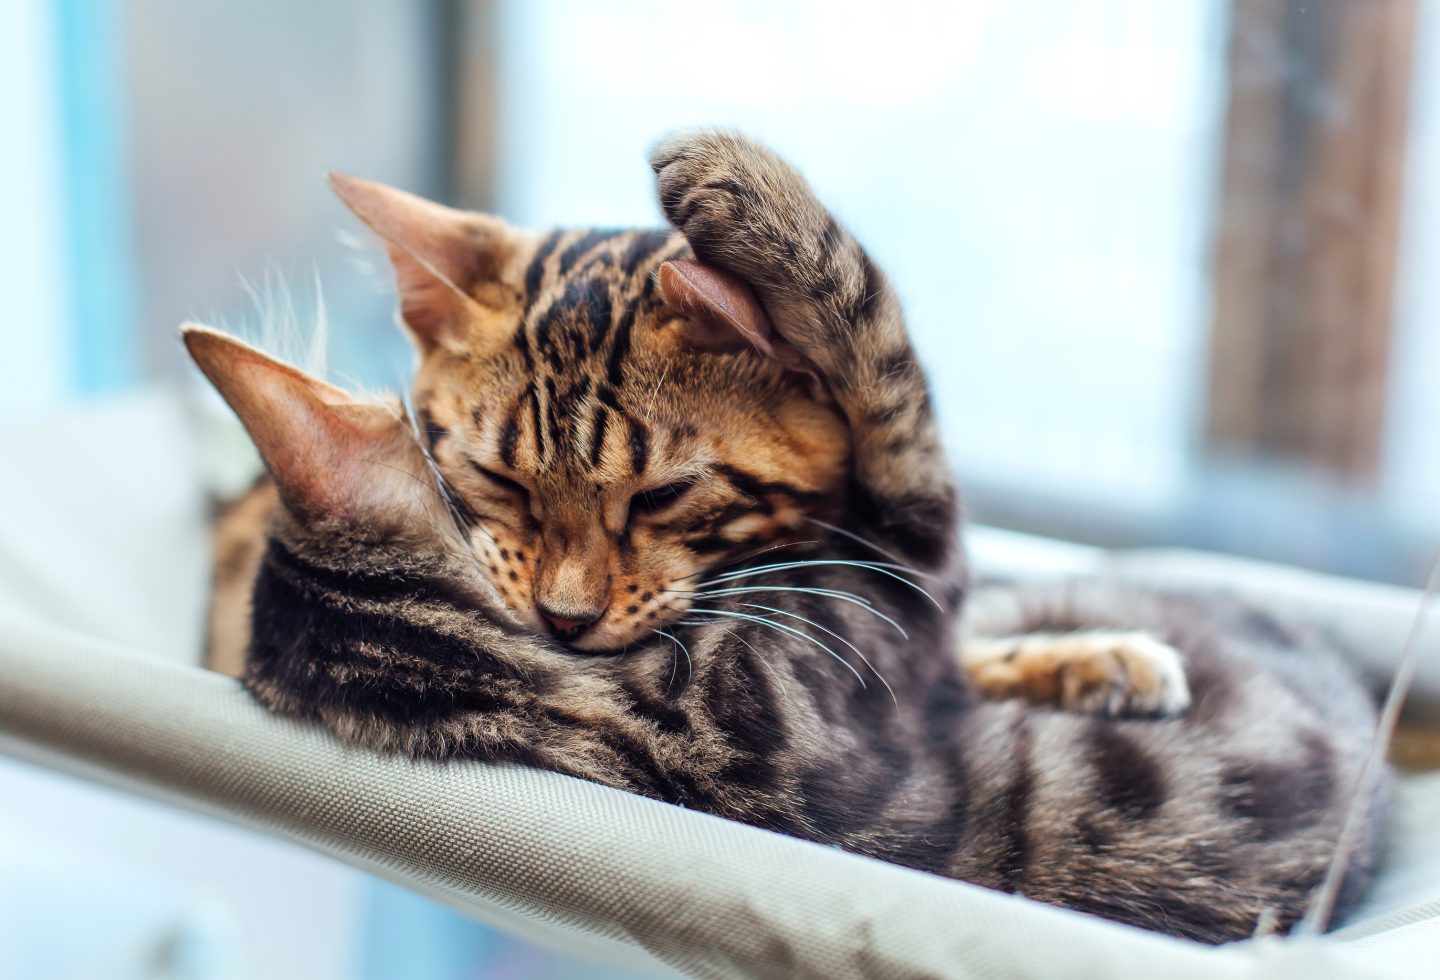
(597,465)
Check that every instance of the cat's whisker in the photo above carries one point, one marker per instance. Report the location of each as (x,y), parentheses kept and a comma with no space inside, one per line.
(655,395)
(781,627)
(422,488)
(453,507)
(763,551)
(689,664)
(849,597)
(881,568)
(860,539)
(806,589)
(763,662)
(479,526)
(863,563)
(809,622)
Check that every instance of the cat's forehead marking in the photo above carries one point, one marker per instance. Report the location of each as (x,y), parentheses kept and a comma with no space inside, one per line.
(586,294)
(590,388)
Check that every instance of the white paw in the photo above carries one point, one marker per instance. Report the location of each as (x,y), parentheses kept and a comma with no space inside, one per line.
(1123,674)
(1104,672)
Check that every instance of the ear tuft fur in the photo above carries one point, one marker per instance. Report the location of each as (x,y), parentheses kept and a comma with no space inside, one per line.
(333,456)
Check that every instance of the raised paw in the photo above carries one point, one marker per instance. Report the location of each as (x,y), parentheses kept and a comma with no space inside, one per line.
(716,188)
(744,209)
(747,213)
(1103,672)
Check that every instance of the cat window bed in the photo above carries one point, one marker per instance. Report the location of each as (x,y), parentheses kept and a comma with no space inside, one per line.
(102,570)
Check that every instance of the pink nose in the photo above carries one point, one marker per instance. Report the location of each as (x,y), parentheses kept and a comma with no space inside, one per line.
(569,624)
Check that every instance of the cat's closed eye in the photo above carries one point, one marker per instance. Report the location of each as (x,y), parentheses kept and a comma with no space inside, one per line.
(503,483)
(660,499)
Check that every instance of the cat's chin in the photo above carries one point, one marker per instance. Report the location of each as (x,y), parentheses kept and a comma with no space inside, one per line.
(603,648)
(609,646)
(602,652)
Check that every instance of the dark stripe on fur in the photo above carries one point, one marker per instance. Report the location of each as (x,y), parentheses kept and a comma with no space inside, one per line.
(639,446)
(620,347)
(598,424)
(510,438)
(1279,798)
(600,312)
(643,246)
(533,394)
(758,489)
(581,246)
(1012,815)
(535,271)
(1127,780)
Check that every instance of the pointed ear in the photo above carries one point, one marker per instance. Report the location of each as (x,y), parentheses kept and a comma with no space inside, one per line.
(332,456)
(722,312)
(444,259)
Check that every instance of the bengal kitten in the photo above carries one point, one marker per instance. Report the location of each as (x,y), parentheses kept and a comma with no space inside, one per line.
(672,515)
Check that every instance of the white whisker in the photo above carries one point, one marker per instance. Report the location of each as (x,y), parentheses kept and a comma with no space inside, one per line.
(881,568)
(899,560)
(655,395)
(447,493)
(764,551)
(758,658)
(781,627)
(689,664)
(863,659)
(849,597)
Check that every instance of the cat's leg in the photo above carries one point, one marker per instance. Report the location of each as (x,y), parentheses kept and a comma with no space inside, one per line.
(747,212)
(1120,673)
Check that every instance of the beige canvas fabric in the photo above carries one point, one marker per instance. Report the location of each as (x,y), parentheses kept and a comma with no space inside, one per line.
(590,870)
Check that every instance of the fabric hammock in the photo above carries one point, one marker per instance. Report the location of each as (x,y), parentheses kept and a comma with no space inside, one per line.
(107,690)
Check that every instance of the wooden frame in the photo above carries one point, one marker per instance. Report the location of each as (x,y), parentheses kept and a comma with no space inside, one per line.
(1307,231)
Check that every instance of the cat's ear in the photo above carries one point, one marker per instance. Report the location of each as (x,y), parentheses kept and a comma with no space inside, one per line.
(444,259)
(722,312)
(332,456)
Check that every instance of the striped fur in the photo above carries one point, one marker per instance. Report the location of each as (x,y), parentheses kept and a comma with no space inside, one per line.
(594,461)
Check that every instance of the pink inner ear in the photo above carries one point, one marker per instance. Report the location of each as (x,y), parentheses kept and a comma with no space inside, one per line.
(723,308)
(724,313)
(329,453)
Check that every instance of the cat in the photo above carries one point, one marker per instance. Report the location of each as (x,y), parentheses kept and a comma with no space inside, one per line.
(671,514)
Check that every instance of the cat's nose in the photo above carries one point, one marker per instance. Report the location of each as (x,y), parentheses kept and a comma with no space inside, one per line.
(568,624)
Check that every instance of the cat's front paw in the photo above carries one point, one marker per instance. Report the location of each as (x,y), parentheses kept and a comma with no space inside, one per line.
(740,206)
(709,183)
(1105,672)
(749,213)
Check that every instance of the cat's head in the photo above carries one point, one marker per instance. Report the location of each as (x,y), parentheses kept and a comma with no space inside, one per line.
(614,419)
(358,491)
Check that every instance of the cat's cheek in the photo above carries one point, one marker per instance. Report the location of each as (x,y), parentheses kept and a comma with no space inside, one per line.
(508,562)
(638,617)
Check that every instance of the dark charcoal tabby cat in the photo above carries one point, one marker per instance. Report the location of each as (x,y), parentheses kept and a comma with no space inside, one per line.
(677,520)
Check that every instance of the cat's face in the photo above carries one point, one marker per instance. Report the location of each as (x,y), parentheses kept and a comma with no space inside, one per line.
(607,450)
(606,463)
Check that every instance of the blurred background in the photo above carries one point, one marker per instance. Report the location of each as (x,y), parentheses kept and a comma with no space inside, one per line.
(1171,265)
